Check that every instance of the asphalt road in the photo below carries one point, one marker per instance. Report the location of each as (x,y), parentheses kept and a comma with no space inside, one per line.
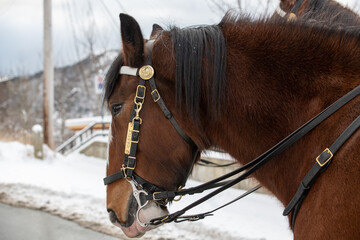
(22,224)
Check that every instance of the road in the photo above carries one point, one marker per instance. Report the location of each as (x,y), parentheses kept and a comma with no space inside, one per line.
(22,224)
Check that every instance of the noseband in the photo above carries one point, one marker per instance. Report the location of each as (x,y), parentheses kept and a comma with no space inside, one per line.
(141,187)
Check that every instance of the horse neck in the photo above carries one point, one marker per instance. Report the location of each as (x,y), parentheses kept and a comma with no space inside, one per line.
(264,105)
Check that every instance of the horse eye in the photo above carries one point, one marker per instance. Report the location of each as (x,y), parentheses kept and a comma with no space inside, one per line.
(116,109)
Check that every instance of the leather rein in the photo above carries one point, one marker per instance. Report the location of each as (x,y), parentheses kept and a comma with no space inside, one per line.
(144,191)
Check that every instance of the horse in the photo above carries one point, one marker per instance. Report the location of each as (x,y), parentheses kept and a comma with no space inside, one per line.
(325,12)
(243,86)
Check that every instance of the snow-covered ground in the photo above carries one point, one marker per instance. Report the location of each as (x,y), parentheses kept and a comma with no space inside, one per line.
(72,187)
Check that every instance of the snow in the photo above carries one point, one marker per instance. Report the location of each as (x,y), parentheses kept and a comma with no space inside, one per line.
(37,128)
(72,187)
(86,120)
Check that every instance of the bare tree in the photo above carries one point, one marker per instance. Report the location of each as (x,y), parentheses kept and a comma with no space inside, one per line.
(21,110)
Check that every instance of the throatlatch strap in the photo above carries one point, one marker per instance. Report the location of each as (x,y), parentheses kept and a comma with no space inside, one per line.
(157,98)
(321,164)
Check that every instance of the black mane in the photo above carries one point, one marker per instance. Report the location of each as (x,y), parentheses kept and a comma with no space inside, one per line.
(200,54)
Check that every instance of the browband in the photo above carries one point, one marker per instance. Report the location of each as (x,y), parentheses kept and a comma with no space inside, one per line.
(280,12)
(129,71)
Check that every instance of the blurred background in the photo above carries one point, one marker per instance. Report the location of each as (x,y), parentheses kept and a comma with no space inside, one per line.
(85,40)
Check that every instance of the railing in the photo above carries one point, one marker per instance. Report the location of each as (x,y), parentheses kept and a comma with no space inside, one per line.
(83,137)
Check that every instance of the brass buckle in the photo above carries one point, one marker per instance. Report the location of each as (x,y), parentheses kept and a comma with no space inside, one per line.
(176,200)
(193,219)
(131,168)
(163,220)
(327,160)
(123,169)
(157,97)
(156,199)
(142,98)
(137,91)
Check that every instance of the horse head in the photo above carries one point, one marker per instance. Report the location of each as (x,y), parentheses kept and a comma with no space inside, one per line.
(161,158)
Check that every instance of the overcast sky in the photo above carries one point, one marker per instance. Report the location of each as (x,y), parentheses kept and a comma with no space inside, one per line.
(74,21)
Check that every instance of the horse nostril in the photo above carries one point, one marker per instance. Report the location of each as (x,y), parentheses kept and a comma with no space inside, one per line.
(112,216)
(115,220)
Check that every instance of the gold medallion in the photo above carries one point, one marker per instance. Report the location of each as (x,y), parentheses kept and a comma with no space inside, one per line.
(146,72)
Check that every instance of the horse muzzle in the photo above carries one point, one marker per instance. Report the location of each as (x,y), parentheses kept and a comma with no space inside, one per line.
(140,212)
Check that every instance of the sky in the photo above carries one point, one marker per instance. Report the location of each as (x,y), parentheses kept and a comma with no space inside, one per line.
(76,23)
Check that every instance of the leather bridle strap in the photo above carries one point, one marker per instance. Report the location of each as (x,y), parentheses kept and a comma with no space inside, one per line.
(321,164)
(255,164)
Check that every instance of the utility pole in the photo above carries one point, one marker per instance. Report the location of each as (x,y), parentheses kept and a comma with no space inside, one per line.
(48,78)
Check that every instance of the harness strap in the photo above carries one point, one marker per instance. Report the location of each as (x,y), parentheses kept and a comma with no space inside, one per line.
(120,175)
(127,170)
(321,164)
(158,99)
(200,216)
(260,161)
(206,163)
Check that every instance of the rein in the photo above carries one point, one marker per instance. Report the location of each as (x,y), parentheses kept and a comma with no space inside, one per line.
(144,191)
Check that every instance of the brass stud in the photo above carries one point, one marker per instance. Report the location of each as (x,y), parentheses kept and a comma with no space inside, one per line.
(146,72)
(291,17)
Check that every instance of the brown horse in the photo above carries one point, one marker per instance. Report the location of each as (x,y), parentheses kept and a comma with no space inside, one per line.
(241,86)
(325,12)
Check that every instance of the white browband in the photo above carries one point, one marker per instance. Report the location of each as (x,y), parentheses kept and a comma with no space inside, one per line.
(280,12)
(128,71)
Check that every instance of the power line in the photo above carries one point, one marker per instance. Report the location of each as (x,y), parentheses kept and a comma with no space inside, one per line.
(96,28)
(7,8)
(109,14)
(121,6)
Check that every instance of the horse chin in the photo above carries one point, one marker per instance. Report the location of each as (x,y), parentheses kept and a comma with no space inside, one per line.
(150,211)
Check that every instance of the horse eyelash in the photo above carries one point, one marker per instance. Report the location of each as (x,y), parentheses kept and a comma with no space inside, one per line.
(116,108)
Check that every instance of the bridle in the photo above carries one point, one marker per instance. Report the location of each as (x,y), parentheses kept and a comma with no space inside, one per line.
(141,187)
(144,191)
(292,15)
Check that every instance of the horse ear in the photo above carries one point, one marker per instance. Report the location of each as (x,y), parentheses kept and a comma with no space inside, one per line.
(156,30)
(132,41)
